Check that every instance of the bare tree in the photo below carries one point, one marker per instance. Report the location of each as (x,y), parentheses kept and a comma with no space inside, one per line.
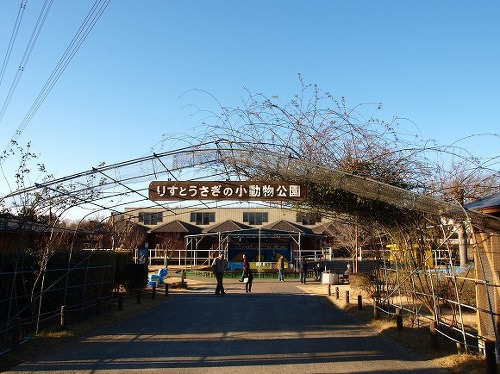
(463,182)
(126,234)
(354,165)
(39,210)
(170,242)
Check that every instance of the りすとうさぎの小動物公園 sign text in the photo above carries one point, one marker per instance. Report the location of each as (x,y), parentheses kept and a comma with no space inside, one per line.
(227,190)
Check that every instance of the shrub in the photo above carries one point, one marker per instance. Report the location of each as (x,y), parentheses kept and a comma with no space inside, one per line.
(137,276)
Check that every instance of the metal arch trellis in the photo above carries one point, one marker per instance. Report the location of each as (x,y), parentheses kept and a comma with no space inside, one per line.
(112,186)
(209,160)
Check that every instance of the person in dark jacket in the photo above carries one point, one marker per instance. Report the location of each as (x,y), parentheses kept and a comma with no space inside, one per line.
(317,272)
(303,270)
(248,277)
(219,266)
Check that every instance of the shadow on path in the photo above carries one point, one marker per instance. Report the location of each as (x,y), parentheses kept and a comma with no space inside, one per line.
(277,329)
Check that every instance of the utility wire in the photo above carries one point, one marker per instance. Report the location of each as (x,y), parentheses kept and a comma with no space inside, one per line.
(90,20)
(27,53)
(12,40)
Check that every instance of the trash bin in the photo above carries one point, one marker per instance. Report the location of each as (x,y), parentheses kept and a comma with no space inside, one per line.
(329,278)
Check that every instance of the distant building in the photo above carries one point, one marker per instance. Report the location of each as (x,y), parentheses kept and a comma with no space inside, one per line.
(193,236)
(20,235)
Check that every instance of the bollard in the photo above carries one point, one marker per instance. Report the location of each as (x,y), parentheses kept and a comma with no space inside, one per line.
(399,319)
(120,302)
(329,290)
(347,297)
(166,289)
(337,293)
(434,336)
(183,278)
(63,316)
(153,293)
(139,297)
(491,361)
(360,302)
(375,309)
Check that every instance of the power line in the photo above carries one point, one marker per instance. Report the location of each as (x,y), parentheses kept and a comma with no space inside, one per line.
(90,20)
(27,53)
(12,40)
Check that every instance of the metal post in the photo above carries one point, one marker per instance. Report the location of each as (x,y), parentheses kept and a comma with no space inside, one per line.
(434,336)
(347,297)
(63,316)
(491,362)
(399,319)
(360,302)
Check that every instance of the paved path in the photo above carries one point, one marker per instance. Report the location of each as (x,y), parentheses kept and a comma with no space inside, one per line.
(279,328)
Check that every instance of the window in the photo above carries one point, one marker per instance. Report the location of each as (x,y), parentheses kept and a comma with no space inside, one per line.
(204,218)
(255,218)
(150,218)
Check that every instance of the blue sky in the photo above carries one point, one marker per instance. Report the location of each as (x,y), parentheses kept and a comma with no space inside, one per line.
(436,63)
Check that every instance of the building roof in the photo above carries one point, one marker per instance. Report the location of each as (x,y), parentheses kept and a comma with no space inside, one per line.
(255,232)
(486,202)
(228,225)
(487,205)
(288,226)
(16,226)
(178,227)
(327,228)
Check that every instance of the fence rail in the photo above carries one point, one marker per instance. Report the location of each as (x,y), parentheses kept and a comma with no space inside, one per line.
(30,299)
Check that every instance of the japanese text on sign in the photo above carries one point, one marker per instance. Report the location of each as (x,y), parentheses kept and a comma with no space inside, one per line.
(241,190)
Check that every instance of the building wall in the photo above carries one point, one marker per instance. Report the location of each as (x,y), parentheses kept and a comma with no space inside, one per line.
(205,247)
(220,215)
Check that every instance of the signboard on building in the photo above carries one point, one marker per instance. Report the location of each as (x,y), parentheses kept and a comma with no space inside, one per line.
(227,190)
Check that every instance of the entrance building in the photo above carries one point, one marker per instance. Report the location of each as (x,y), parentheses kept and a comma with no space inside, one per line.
(193,237)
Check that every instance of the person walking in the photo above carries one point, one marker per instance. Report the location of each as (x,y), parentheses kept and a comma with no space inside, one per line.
(303,270)
(317,272)
(347,272)
(218,267)
(245,264)
(248,277)
(281,269)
